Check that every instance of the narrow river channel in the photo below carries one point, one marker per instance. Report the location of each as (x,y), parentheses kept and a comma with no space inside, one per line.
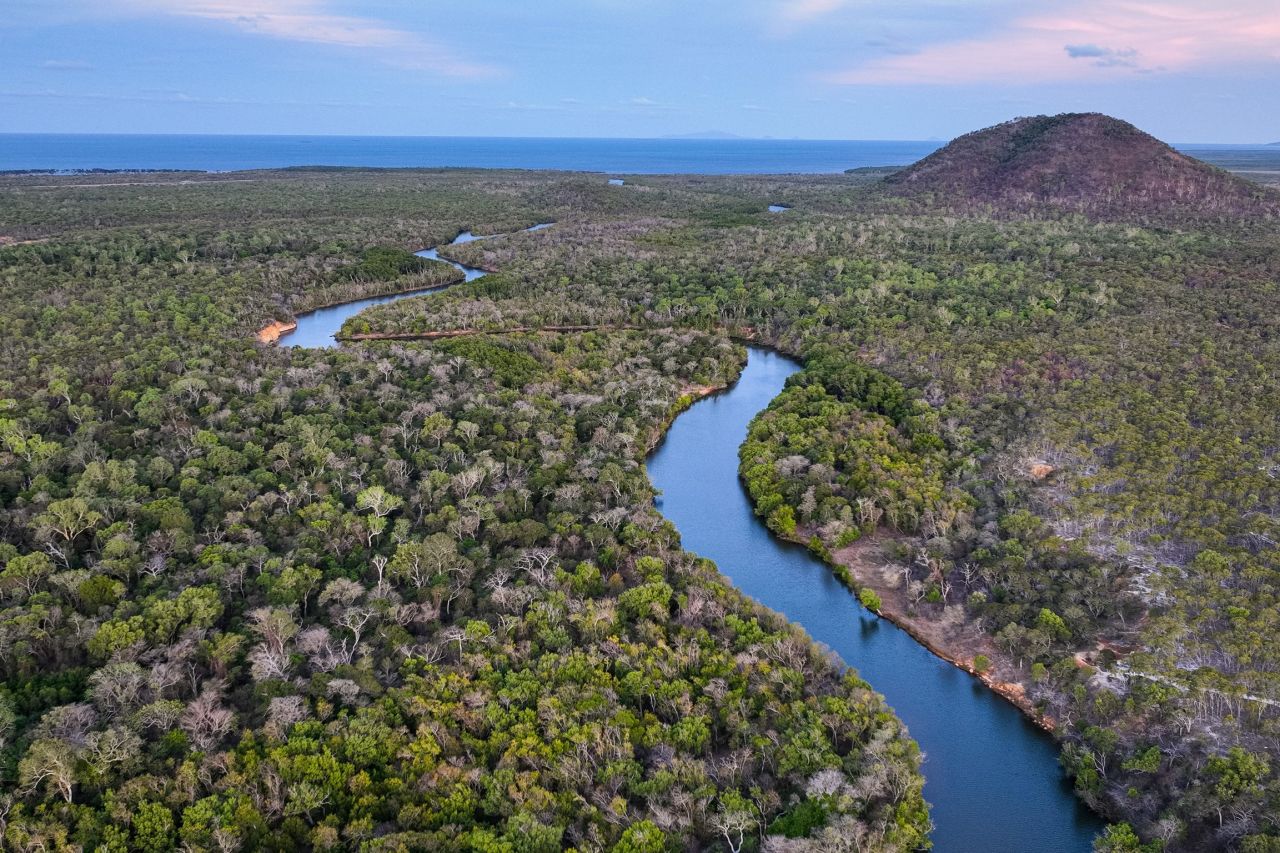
(992,777)
(319,328)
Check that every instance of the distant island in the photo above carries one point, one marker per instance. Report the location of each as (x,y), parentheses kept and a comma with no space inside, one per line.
(705,134)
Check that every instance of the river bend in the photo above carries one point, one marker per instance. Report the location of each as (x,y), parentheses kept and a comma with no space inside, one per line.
(319,328)
(991,776)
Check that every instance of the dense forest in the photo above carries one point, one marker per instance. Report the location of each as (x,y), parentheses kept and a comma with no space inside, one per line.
(390,597)
(414,594)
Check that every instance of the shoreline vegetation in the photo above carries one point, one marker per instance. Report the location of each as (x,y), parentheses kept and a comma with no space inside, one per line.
(1031,521)
(276,329)
(976,654)
(863,566)
(273,331)
(459,333)
(848,564)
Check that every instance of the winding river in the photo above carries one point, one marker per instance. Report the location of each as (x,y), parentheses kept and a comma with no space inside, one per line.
(992,777)
(319,328)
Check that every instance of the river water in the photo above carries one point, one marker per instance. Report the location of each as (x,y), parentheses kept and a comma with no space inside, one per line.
(992,777)
(318,329)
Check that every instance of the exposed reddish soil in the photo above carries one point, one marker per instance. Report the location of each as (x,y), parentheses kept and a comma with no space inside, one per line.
(270,333)
(945,633)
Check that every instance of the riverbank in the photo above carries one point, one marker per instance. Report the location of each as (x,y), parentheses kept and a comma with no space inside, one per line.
(949,638)
(688,396)
(487,269)
(273,331)
(319,326)
(277,329)
(980,748)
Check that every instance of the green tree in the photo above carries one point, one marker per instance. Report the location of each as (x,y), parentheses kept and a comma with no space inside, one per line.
(641,837)
(153,828)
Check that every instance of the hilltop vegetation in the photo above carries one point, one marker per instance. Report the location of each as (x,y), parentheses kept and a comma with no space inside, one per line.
(1066,424)
(1078,161)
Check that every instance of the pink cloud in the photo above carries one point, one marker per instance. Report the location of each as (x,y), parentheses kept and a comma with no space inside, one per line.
(803,11)
(309,21)
(1091,39)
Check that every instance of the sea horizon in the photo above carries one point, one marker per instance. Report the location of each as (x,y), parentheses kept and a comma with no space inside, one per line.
(76,152)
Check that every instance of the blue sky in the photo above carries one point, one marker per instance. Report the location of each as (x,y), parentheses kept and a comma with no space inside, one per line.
(1186,70)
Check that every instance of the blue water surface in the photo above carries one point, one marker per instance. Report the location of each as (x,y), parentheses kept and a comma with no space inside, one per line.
(625,156)
(319,328)
(992,777)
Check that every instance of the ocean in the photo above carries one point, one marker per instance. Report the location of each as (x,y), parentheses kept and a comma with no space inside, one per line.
(623,156)
(208,153)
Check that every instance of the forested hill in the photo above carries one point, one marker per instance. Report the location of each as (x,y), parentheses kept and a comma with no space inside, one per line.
(1064,424)
(1079,161)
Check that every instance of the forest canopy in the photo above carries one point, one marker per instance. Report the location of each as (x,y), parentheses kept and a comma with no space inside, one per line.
(415,594)
(391,596)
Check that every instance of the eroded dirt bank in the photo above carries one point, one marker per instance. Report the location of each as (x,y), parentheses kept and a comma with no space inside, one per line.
(271,333)
(947,635)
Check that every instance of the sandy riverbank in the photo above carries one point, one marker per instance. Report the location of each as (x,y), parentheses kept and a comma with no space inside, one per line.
(272,332)
(947,635)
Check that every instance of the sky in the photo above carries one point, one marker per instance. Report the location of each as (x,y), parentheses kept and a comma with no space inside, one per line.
(1185,70)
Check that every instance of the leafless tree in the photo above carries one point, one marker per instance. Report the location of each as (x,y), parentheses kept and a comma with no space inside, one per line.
(733,825)
(205,720)
(537,564)
(118,687)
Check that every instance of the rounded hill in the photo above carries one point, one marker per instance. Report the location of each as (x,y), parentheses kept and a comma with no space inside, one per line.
(1078,161)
